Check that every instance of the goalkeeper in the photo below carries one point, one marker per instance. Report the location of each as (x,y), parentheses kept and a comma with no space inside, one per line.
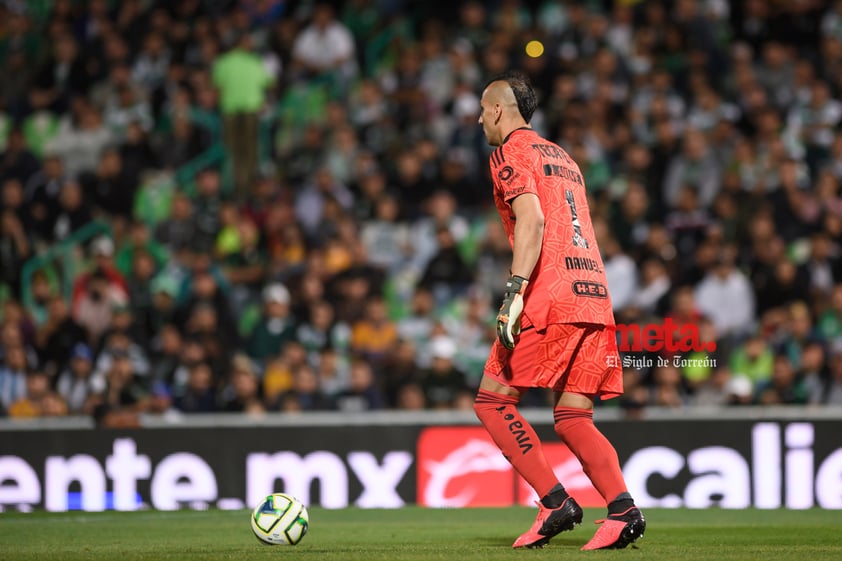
(555,326)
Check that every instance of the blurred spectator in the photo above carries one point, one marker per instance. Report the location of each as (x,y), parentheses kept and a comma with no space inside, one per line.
(74,382)
(58,336)
(42,194)
(17,161)
(316,197)
(472,326)
(241,392)
(621,272)
(72,212)
(39,400)
(740,391)
(165,354)
(13,375)
(199,395)
(828,388)
(410,397)
(242,80)
(279,373)
(493,257)
(446,273)
(96,303)
(205,286)
(276,326)
(713,392)
(206,209)
(112,189)
(784,387)
(442,382)
(119,396)
(244,267)
(440,212)
(182,144)
(386,236)
(63,76)
(139,242)
(363,393)
(400,370)
(374,334)
(798,332)
(137,152)
(333,372)
(669,390)
(150,67)
(829,323)
(321,331)
(725,296)
(753,360)
(325,49)
(14,249)
(688,222)
(179,229)
(102,262)
(80,140)
(823,267)
(655,286)
(416,325)
(126,108)
(306,392)
(118,345)
(164,293)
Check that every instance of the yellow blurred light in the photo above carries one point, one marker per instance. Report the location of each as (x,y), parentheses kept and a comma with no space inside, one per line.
(534,48)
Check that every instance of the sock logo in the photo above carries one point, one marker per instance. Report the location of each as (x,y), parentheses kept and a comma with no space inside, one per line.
(516,428)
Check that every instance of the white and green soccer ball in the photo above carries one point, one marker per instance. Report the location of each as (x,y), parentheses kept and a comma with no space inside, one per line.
(280,519)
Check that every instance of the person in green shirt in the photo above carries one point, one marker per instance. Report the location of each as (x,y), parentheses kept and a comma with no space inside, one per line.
(242,81)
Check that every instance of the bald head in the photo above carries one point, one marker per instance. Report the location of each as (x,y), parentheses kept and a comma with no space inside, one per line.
(507,103)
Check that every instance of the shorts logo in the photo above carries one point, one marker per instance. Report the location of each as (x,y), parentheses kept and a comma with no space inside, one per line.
(589,289)
(505,173)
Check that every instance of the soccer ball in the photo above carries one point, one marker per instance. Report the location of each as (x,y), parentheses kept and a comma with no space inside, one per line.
(280,519)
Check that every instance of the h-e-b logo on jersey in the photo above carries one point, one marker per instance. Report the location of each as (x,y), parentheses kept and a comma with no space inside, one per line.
(589,289)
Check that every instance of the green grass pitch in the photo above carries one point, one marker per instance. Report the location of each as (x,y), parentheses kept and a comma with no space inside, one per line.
(414,534)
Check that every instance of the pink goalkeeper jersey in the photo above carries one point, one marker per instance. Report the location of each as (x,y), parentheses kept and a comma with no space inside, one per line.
(568,284)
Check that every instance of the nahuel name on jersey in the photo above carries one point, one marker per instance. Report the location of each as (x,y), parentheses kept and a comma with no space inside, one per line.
(582,264)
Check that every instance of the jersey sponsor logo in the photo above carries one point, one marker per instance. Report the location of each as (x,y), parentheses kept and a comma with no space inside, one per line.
(589,289)
(582,264)
(506,173)
(514,192)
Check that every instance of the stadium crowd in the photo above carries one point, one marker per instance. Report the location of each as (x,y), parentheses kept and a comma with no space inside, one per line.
(344,254)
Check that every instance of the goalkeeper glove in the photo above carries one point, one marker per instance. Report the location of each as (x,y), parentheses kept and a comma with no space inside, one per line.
(508,318)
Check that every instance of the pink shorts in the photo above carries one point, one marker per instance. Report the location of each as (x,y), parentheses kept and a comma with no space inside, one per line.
(567,357)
